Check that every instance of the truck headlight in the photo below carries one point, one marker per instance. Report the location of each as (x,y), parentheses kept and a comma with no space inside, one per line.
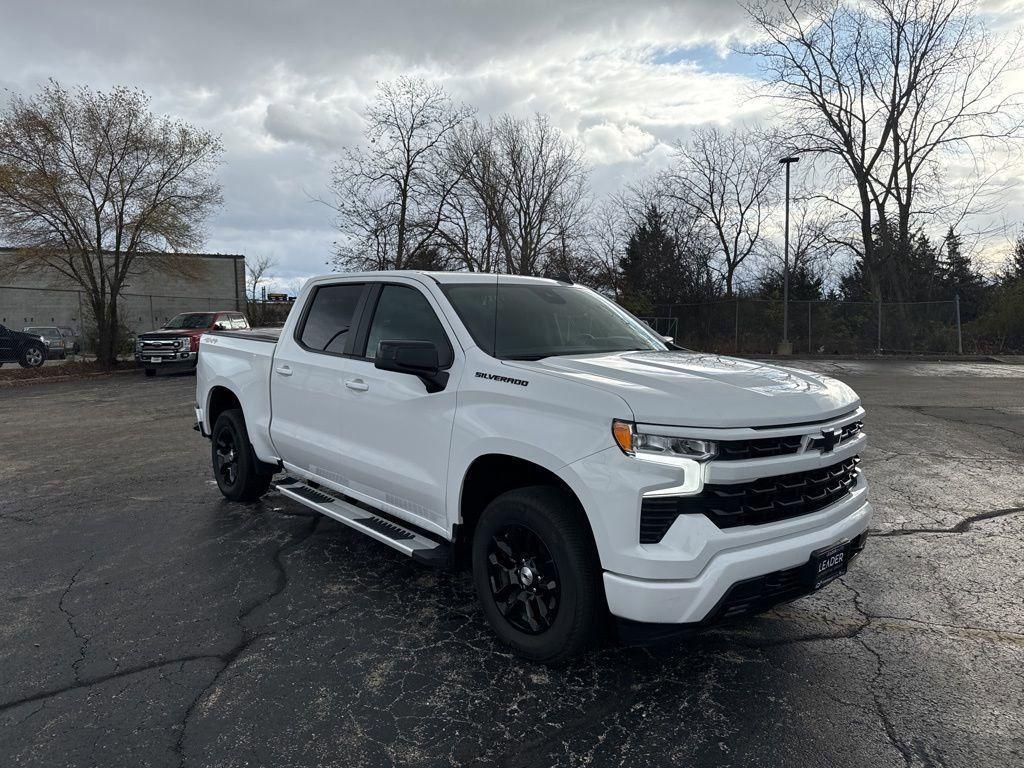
(635,443)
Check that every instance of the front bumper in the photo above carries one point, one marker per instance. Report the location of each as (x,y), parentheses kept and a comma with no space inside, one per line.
(698,599)
(176,360)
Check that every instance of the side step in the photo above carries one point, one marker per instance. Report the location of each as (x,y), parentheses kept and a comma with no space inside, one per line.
(407,541)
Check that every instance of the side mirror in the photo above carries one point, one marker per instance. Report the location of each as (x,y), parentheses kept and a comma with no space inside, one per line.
(416,358)
(668,339)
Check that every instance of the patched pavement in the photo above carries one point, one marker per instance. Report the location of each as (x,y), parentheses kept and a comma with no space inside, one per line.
(147,622)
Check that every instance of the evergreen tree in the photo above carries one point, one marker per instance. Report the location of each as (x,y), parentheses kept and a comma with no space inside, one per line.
(804,284)
(923,276)
(959,277)
(651,273)
(1014,269)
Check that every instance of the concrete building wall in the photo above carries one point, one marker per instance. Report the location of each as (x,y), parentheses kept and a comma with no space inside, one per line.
(149,299)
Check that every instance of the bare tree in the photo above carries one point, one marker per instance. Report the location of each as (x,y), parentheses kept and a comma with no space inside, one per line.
(527,183)
(813,246)
(257,273)
(93,182)
(390,193)
(727,179)
(607,235)
(889,91)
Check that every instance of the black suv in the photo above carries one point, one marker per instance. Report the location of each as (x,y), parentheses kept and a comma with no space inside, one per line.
(26,350)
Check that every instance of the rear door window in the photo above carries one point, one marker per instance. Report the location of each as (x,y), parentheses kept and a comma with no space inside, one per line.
(328,323)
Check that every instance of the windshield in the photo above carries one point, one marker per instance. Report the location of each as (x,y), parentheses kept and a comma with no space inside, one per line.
(543,320)
(50,333)
(191,320)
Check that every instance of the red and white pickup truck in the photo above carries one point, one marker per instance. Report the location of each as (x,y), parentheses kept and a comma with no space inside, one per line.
(175,347)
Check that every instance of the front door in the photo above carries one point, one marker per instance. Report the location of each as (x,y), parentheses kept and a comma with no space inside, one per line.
(397,434)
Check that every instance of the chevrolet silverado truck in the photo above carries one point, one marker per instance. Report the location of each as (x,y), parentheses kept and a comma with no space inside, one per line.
(175,347)
(578,463)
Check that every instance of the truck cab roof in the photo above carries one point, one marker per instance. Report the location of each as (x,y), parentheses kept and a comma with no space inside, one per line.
(444,278)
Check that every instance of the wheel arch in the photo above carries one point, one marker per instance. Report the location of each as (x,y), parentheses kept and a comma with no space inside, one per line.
(492,474)
(220,399)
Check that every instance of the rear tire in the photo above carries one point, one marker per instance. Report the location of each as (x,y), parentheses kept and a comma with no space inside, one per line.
(32,356)
(150,373)
(536,574)
(238,472)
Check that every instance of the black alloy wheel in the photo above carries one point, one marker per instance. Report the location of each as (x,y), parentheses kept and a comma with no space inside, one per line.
(537,573)
(226,461)
(523,578)
(239,474)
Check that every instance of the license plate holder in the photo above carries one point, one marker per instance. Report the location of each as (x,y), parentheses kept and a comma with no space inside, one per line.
(827,564)
(156,359)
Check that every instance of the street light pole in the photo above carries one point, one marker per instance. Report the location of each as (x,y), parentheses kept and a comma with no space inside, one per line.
(785,348)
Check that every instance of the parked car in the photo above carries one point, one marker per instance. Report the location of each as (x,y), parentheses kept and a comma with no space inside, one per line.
(25,349)
(175,346)
(57,345)
(72,342)
(534,430)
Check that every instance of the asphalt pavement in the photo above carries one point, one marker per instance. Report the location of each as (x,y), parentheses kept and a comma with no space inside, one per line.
(148,622)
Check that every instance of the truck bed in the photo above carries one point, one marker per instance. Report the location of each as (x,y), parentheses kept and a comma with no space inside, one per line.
(256,334)
(240,361)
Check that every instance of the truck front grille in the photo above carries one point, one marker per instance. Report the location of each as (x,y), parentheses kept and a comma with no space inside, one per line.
(767,447)
(767,500)
(758,448)
(162,347)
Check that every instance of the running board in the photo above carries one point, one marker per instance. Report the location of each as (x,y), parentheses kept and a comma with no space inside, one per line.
(407,541)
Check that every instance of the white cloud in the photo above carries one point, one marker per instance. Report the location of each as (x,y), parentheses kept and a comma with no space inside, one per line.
(284,83)
(610,143)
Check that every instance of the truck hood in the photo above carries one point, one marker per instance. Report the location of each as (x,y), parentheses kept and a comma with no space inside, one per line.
(172,333)
(703,390)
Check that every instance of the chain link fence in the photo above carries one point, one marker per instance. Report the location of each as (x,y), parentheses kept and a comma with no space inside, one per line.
(754,326)
(735,326)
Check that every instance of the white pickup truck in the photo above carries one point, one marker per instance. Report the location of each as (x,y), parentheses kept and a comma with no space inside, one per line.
(578,463)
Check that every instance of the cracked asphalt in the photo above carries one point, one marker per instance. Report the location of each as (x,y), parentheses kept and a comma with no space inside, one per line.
(147,622)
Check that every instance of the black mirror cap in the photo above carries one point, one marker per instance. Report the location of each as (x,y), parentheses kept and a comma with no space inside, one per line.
(417,357)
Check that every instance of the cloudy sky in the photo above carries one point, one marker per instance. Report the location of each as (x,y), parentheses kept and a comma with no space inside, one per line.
(284,82)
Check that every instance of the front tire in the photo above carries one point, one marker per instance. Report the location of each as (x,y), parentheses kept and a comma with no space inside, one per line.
(32,356)
(235,466)
(150,372)
(536,574)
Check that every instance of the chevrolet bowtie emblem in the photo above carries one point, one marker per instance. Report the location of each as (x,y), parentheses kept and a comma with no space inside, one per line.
(829,440)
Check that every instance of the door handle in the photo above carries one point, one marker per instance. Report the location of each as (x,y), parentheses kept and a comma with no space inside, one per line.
(357,384)
(284,370)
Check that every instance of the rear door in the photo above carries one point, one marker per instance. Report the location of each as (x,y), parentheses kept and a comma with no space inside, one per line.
(307,383)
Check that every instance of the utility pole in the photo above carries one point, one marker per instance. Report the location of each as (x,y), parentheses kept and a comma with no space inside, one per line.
(785,348)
